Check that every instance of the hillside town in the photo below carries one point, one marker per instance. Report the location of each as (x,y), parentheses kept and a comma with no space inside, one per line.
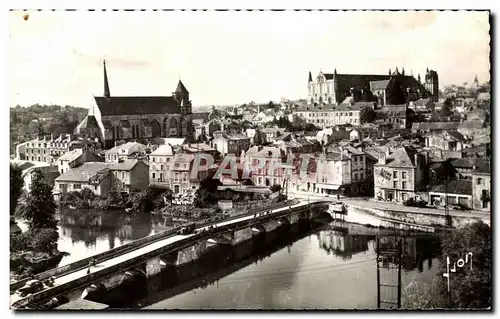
(394,138)
(250,159)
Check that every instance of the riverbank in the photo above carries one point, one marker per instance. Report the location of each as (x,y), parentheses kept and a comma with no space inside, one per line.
(26,263)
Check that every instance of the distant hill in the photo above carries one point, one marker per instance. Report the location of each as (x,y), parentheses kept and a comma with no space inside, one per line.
(28,122)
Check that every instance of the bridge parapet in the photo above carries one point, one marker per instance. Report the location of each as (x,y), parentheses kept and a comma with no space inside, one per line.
(184,243)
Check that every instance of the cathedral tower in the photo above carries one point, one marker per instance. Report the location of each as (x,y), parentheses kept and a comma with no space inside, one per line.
(181,95)
(432,84)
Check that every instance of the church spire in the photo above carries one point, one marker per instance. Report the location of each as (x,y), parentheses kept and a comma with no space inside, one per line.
(106,85)
(310,77)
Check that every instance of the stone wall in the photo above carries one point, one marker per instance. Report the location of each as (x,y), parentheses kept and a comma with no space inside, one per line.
(372,216)
(242,235)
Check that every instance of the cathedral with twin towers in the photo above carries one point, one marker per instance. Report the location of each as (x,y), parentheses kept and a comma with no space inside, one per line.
(393,88)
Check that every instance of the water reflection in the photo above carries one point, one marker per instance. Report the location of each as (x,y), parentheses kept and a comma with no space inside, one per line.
(346,241)
(334,268)
(86,232)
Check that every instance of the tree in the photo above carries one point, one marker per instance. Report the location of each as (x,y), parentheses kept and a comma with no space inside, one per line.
(206,193)
(446,108)
(367,115)
(40,208)
(259,138)
(16,186)
(45,240)
(470,287)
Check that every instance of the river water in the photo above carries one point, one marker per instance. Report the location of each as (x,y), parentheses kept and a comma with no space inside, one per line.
(320,268)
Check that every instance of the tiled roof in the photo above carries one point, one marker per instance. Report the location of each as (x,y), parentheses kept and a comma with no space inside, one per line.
(475,124)
(198,147)
(484,96)
(163,150)
(456,135)
(84,172)
(436,126)
(422,102)
(71,155)
(483,166)
(265,152)
(136,105)
(353,150)
(379,85)
(335,156)
(402,157)
(463,187)
(130,146)
(126,165)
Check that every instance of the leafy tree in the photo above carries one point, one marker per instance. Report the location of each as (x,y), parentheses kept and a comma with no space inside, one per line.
(16,186)
(45,240)
(469,288)
(446,108)
(40,207)
(206,194)
(20,242)
(367,115)
(259,138)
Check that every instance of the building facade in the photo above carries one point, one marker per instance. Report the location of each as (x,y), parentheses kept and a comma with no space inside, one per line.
(400,176)
(230,143)
(159,166)
(332,115)
(481,187)
(129,176)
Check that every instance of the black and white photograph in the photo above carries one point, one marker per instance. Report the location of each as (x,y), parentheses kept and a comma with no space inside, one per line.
(250,160)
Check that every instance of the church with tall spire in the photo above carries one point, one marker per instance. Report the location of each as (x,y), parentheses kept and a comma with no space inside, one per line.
(137,118)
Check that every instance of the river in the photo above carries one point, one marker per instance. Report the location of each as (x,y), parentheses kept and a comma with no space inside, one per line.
(323,268)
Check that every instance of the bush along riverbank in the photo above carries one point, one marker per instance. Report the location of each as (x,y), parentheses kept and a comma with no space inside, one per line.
(146,200)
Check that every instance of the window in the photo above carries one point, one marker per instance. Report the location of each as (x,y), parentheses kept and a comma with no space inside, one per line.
(404,185)
(395,185)
(77,186)
(123,175)
(403,175)
(355,176)
(153,175)
(95,187)
(161,167)
(153,159)
(479,181)
(395,174)
(404,196)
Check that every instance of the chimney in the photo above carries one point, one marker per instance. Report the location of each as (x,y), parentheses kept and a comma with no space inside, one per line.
(382,159)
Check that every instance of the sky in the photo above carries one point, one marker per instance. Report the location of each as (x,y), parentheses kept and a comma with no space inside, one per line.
(232,57)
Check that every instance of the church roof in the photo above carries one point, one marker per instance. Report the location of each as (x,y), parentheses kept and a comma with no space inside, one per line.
(379,85)
(89,122)
(364,81)
(181,88)
(136,105)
